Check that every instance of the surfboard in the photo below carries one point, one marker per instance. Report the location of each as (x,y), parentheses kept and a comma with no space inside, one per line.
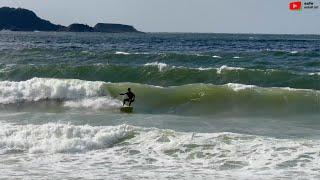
(126,109)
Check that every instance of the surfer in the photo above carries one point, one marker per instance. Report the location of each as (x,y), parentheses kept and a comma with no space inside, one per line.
(130,97)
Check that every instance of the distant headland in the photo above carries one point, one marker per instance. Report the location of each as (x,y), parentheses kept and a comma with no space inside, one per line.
(25,20)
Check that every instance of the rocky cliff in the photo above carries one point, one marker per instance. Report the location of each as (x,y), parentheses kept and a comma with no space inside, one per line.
(25,20)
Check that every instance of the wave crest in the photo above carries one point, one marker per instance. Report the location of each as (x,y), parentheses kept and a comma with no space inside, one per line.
(192,99)
(37,89)
(161,66)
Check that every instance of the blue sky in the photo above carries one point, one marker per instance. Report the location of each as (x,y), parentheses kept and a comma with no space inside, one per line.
(216,16)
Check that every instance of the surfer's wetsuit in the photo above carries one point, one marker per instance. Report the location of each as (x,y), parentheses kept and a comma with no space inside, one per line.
(131,97)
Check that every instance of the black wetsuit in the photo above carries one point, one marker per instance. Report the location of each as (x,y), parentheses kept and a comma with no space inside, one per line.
(130,99)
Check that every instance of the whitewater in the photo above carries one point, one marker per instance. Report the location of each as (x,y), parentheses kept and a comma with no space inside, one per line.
(208,106)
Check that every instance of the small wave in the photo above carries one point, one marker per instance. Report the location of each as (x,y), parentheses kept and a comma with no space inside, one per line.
(220,70)
(315,73)
(141,53)
(161,66)
(122,53)
(239,87)
(236,57)
(87,53)
(218,57)
(294,52)
(227,68)
(204,69)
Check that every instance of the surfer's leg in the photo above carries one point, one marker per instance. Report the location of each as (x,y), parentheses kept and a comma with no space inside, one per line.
(131,101)
(124,101)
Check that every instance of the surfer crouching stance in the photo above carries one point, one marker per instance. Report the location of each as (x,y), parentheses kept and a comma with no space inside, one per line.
(130,97)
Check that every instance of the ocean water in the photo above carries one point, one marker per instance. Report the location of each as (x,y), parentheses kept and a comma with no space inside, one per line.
(208,106)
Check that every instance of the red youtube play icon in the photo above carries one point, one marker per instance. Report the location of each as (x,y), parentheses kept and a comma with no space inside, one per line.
(295,6)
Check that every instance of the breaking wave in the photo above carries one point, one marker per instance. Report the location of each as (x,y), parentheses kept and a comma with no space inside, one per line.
(192,99)
(37,89)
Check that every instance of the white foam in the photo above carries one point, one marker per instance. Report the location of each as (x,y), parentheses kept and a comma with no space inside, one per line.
(231,151)
(204,69)
(215,56)
(236,57)
(122,53)
(235,155)
(227,68)
(141,53)
(299,90)
(37,89)
(161,66)
(165,153)
(87,52)
(57,138)
(97,103)
(294,52)
(239,87)
(315,73)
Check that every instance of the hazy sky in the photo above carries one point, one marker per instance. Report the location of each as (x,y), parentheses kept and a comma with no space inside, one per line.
(226,16)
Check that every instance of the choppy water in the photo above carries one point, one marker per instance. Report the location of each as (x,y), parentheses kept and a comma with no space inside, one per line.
(208,106)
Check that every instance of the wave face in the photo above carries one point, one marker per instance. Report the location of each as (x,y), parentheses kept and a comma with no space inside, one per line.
(193,99)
